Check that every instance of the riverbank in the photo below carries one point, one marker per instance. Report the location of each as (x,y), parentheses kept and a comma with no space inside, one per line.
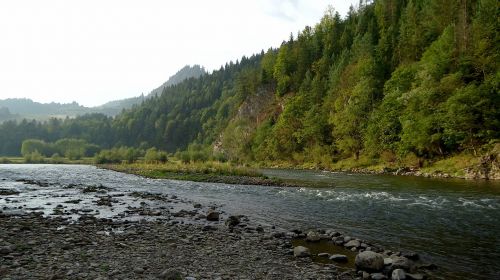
(99,232)
(33,247)
(462,166)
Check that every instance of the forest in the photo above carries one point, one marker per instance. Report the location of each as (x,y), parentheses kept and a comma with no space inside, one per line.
(395,80)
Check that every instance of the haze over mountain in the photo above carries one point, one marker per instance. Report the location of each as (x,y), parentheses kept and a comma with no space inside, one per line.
(19,108)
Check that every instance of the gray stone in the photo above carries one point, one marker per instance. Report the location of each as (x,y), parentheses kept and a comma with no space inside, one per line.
(369,261)
(387,261)
(398,274)
(301,252)
(212,215)
(352,243)
(401,262)
(313,236)
(414,276)
(338,258)
(5,250)
(323,255)
(378,276)
(170,274)
(232,221)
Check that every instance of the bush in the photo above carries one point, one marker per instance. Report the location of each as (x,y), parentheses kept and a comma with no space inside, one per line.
(4,160)
(34,157)
(117,155)
(155,156)
(56,159)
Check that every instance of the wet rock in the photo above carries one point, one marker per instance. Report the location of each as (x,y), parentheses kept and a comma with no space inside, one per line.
(369,261)
(411,255)
(212,215)
(387,261)
(415,276)
(197,205)
(338,258)
(301,252)
(398,274)
(232,221)
(313,236)
(324,255)
(352,243)
(401,262)
(170,274)
(139,270)
(377,276)
(5,250)
(8,192)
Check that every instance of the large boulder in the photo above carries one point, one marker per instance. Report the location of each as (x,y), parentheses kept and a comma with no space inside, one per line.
(313,236)
(369,261)
(301,252)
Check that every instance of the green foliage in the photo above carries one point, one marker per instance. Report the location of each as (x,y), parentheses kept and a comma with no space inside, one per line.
(34,157)
(56,159)
(395,81)
(118,155)
(154,156)
(4,160)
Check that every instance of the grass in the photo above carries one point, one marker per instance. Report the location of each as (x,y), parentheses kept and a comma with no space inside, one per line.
(454,166)
(48,160)
(209,171)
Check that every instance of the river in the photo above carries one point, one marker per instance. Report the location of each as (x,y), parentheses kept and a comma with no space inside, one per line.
(452,223)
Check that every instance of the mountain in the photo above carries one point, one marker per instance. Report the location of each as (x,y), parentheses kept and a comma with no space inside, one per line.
(114,107)
(27,108)
(19,108)
(185,73)
(403,82)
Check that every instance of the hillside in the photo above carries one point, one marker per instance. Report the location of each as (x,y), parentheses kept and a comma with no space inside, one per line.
(395,82)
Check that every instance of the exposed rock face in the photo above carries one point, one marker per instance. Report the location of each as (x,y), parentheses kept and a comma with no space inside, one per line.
(369,261)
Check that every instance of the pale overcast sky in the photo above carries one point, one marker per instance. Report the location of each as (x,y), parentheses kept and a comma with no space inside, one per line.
(94,51)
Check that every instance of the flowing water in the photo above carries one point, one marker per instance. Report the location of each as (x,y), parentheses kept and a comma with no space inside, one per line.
(452,223)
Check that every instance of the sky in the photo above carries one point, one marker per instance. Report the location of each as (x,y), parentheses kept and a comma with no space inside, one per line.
(94,51)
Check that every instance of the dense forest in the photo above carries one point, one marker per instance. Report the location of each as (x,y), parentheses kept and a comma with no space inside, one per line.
(394,79)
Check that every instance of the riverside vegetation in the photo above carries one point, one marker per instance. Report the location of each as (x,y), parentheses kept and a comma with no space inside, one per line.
(411,84)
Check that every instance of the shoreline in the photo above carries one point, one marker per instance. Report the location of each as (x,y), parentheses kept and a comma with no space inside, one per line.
(152,239)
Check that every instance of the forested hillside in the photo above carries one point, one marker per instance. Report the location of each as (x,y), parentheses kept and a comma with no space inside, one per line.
(412,80)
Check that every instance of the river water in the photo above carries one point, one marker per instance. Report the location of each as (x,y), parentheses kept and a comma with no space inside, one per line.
(452,223)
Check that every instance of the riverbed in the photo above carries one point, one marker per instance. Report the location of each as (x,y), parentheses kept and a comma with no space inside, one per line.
(452,223)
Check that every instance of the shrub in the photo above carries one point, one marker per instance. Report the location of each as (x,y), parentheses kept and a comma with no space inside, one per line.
(56,159)
(155,156)
(34,157)
(5,160)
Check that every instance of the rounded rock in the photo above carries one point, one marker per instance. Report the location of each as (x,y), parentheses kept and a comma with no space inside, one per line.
(369,261)
(301,252)
(398,274)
